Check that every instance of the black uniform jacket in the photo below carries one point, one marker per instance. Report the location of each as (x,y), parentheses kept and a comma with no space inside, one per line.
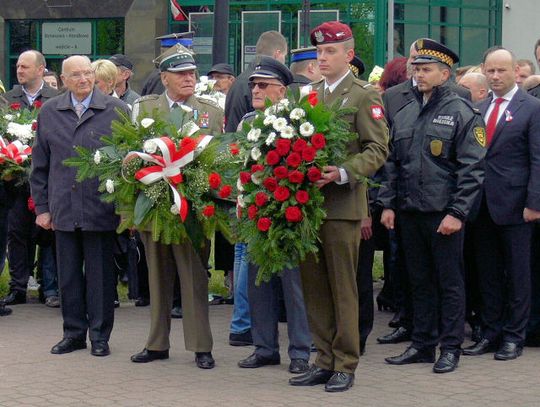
(436,164)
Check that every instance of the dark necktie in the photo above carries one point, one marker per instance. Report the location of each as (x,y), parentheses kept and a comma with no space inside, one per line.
(492,120)
(174,106)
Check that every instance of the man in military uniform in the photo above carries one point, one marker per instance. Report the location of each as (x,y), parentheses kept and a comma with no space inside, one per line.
(434,175)
(330,290)
(304,66)
(165,261)
(153,84)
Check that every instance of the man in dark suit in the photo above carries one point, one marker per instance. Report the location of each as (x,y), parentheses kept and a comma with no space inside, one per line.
(330,289)
(509,205)
(84,225)
(30,91)
(238,102)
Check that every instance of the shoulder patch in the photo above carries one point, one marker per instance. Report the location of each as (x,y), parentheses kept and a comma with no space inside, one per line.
(480,135)
(377,112)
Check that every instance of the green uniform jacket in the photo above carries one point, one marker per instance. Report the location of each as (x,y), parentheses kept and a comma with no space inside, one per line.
(201,107)
(368,152)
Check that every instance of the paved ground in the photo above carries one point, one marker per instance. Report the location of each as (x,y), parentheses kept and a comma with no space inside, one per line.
(31,376)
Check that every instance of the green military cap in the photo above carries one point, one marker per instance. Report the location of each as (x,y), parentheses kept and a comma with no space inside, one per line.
(178,62)
(175,49)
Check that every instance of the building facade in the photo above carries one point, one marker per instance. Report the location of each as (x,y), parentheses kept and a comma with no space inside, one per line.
(382,28)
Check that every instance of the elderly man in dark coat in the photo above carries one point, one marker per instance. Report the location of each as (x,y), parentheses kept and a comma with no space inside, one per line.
(84,224)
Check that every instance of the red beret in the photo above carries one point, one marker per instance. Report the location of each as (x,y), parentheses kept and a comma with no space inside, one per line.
(329,32)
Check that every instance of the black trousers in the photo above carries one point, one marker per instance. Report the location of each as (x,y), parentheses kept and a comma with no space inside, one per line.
(20,240)
(400,276)
(86,280)
(503,256)
(435,264)
(533,327)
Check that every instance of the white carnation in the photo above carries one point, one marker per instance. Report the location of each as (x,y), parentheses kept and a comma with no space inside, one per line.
(297,113)
(284,102)
(270,111)
(174,209)
(279,124)
(8,117)
(203,79)
(147,122)
(268,120)
(150,146)
(287,132)
(306,129)
(270,139)
(254,134)
(22,132)
(97,157)
(255,153)
(109,186)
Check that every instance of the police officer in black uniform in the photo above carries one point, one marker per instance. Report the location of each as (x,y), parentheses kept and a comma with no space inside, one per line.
(434,176)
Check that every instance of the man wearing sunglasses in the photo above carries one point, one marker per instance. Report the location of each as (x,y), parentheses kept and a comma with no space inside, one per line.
(270,80)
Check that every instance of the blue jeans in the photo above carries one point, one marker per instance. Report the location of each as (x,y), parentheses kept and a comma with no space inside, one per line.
(48,271)
(241,320)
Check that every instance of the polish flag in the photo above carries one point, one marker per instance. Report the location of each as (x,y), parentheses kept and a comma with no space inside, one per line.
(177,12)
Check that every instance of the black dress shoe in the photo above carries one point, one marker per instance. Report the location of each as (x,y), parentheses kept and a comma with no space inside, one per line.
(116,304)
(204,360)
(4,311)
(400,334)
(315,375)
(508,351)
(68,345)
(176,312)
(479,348)
(254,360)
(14,298)
(447,362)
(150,355)
(340,381)
(100,348)
(142,302)
(243,339)
(298,366)
(413,355)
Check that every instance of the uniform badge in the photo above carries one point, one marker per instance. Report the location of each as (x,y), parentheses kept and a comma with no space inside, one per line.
(204,121)
(377,112)
(436,147)
(419,43)
(480,135)
(319,36)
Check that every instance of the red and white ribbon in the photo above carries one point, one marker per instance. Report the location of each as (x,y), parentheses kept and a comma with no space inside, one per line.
(15,151)
(169,166)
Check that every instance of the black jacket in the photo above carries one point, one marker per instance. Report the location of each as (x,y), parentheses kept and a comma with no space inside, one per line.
(16,95)
(436,164)
(238,101)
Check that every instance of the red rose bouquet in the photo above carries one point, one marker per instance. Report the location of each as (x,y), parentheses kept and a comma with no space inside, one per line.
(164,176)
(17,132)
(280,207)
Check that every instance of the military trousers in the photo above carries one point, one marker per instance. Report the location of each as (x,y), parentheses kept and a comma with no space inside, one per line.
(436,274)
(331,296)
(164,262)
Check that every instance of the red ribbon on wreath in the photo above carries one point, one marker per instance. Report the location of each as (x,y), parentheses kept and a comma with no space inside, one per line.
(15,151)
(168,166)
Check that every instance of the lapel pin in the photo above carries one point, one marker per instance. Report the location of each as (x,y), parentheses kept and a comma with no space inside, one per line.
(508,115)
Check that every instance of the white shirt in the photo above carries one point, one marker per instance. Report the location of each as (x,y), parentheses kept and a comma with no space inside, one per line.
(172,102)
(344,178)
(502,108)
(32,97)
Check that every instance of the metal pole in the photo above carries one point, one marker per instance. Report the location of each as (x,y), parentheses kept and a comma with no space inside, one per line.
(390,39)
(220,44)
(306,7)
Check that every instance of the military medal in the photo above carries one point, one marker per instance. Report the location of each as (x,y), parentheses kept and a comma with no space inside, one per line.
(204,121)
(436,147)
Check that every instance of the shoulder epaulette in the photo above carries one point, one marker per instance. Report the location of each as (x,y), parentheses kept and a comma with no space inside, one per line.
(207,101)
(145,98)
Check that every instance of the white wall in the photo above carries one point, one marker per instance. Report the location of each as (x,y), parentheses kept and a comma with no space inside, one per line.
(521,27)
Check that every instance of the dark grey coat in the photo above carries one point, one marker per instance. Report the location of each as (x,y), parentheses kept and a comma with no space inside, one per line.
(54,189)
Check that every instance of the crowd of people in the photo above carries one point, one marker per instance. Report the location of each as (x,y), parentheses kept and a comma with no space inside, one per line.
(455,157)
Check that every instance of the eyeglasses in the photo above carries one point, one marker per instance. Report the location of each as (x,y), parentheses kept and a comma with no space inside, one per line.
(262,85)
(79,75)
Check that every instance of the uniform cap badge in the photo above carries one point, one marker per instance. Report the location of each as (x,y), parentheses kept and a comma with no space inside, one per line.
(319,36)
